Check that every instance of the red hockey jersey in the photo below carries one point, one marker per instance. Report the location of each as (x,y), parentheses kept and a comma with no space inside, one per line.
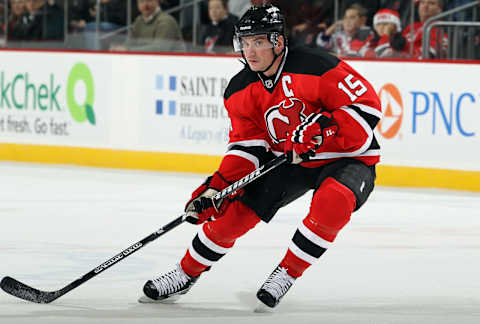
(415,41)
(262,110)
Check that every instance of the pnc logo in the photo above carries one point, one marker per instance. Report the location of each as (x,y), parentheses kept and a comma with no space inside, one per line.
(81,111)
(392,108)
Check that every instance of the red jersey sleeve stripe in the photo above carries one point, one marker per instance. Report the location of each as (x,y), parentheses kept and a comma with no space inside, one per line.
(368,137)
(364,124)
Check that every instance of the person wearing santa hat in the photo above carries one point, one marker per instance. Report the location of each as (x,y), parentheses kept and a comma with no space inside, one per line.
(386,24)
(387,21)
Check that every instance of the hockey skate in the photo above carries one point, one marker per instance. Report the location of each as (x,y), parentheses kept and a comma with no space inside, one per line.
(168,287)
(275,287)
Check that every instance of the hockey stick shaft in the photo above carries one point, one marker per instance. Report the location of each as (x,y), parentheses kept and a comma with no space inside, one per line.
(270,165)
(20,290)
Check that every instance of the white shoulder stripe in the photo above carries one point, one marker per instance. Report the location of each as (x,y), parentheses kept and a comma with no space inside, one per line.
(369,110)
(370,153)
(250,157)
(249,143)
(334,155)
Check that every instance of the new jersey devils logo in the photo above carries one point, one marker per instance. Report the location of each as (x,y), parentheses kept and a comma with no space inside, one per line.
(283,117)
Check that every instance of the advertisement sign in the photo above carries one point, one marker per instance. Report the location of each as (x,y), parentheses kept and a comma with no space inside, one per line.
(183,107)
(431,113)
(174,104)
(53,98)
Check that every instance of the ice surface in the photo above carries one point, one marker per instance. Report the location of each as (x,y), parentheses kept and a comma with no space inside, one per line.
(408,256)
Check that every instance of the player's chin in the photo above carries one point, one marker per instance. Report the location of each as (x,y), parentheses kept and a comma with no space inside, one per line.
(255,67)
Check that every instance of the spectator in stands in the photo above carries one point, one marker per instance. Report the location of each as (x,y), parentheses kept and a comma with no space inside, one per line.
(353,37)
(17,10)
(386,23)
(217,37)
(371,7)
(41,22)
(165,5)
(112,17)
(315,16)
(411,40)
(400,6)
(78,15)
(295,12)
(153,30)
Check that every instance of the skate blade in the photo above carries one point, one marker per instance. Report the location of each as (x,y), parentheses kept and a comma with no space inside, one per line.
(169,300)
(261,308)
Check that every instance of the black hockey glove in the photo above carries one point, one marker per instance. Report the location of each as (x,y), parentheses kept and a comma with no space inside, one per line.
(301,145)
(201,206)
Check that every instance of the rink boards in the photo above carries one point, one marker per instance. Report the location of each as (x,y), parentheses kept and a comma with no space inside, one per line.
(165,112)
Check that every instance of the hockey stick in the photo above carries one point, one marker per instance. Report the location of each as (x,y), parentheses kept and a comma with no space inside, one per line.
(23,291)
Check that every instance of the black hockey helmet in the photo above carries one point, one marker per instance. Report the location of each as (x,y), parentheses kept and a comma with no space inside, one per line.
(266,19)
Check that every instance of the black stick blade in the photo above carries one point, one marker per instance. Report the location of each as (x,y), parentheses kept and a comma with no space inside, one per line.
(20,290)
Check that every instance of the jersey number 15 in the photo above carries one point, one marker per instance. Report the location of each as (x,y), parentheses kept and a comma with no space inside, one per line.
(357,87)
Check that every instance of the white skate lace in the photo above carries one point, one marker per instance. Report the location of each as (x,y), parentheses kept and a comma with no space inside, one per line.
(278,282)
(171,282)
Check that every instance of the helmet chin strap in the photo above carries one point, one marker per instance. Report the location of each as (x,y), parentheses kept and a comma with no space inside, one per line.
(275,56)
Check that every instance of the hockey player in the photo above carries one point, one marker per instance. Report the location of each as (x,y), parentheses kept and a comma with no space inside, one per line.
(308,105)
